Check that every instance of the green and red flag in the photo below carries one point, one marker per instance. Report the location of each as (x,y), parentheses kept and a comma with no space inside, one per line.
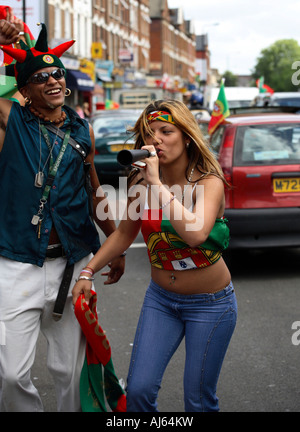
(109,104)
(98,382)
(262,87)
(7,78)
(220,111)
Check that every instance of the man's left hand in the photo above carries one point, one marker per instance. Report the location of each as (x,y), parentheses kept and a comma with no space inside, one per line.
(117,267)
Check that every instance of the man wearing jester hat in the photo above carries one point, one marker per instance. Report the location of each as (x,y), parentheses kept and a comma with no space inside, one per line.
(47,231)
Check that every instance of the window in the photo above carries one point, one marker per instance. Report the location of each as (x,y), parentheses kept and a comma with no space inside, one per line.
(104,126)
(292,102)
(273,144)
(217,140)
(68,34)
(57,23)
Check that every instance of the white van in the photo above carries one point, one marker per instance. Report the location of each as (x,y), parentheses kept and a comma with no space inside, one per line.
(236,96)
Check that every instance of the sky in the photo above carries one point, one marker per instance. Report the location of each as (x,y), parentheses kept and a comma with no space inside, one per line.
(238,30)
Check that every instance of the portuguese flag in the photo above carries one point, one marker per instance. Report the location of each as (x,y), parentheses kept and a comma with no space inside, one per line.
(220,111)
(262,87)
(7,79)
(98,382)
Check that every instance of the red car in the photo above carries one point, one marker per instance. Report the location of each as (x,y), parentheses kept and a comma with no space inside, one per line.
(260,157)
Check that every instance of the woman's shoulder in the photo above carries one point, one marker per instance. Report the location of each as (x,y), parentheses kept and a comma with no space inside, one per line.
(209,179)
(135,178)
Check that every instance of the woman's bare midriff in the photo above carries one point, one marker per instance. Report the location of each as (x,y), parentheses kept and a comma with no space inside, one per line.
(196,281)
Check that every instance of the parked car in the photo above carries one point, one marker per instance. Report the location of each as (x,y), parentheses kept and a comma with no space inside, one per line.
(260,157)
(286,99)
(111,136)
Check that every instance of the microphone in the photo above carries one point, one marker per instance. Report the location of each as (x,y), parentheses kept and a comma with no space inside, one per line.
(127,157)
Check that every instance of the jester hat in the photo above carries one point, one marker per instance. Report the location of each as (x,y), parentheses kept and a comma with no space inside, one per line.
(30,60)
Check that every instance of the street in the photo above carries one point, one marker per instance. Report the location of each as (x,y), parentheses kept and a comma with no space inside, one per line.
(261,369)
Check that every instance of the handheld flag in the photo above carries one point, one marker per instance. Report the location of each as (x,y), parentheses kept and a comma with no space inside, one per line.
(98,381)
(7,76)
(29,60)
(263,88)
(220,111)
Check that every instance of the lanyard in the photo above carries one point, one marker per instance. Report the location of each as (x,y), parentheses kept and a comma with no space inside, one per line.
(37,219)
(47,139)
(54,166)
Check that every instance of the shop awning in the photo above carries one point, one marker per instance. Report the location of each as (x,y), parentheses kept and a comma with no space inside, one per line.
(104,78)
(77,80)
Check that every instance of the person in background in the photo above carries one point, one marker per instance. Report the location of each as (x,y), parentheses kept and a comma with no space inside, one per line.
(177,201)
(47,229)
(79,111)
(86,110)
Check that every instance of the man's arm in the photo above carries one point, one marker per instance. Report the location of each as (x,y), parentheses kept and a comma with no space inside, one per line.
(108,226)
(8,34)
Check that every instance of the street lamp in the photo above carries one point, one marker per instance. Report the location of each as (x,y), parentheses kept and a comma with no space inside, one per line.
(210,25)
(24,11)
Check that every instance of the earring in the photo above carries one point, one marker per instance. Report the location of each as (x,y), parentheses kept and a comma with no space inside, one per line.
(187,145)
(28,101)
(67,92)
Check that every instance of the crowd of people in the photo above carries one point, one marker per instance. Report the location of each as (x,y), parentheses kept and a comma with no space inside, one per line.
(50,249)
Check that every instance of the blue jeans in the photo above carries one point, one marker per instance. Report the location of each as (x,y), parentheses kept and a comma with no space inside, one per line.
(207,322)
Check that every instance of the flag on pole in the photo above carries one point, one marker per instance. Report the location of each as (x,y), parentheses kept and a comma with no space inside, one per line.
(220,111)
(7,79)
(262,87)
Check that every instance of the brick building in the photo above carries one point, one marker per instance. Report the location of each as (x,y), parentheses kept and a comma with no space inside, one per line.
(173,45)
(123,43)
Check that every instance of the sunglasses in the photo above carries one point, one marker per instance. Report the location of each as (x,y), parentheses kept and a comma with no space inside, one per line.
(42,77)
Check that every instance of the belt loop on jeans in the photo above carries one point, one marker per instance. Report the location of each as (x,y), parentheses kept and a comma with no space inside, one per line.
(224,292)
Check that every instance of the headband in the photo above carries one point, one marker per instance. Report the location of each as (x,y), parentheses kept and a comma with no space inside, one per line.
(160,115)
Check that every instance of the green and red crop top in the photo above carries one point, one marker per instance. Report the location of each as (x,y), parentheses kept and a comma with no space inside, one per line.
(167,250)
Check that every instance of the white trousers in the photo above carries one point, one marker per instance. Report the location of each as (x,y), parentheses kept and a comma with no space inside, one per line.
(27,297)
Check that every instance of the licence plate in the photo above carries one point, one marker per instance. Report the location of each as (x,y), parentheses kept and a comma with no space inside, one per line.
(285,185)
(119,147)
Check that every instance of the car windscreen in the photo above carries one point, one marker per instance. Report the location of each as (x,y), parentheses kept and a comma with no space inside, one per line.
(273,144)
(238,103)
(292,102)
(113,125)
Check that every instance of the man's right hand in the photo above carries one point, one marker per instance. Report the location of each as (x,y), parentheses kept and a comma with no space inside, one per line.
(8,33)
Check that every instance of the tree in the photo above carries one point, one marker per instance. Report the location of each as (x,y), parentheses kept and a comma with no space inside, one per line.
(230,79)
(275,65)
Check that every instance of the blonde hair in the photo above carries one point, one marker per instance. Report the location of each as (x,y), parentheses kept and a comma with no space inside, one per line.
(199,154)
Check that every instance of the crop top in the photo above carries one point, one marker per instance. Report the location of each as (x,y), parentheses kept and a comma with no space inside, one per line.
(168,251)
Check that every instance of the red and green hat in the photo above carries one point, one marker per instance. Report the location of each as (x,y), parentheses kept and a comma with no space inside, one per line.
(30,60)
